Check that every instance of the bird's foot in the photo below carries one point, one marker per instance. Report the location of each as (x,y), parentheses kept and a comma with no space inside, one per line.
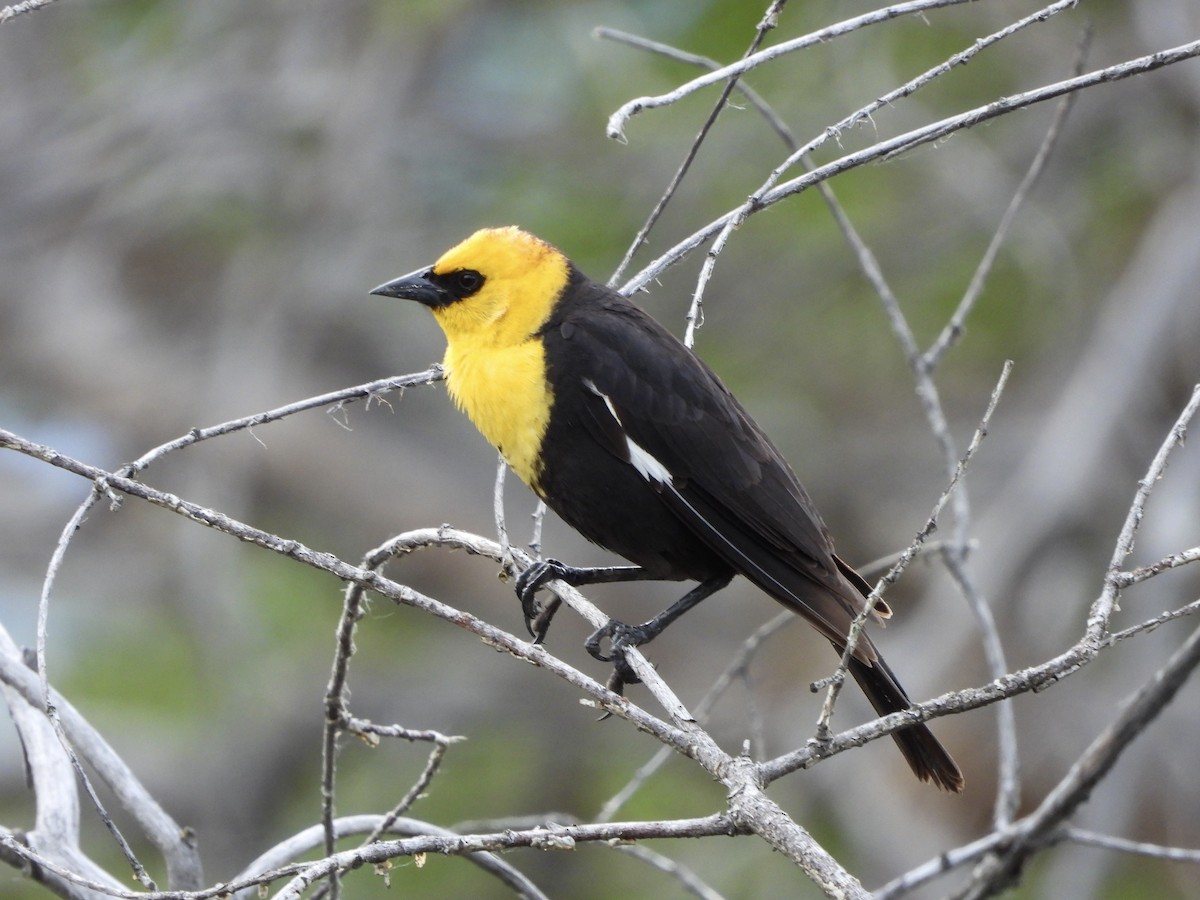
(529,582)
(621,637)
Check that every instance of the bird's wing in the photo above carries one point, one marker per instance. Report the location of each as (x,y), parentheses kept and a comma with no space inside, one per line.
(654,404)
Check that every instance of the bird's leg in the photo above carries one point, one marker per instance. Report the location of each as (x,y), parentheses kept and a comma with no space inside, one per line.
(533,579)
(622,636)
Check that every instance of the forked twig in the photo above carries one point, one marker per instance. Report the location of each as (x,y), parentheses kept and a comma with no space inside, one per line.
(836,681)
(769,21)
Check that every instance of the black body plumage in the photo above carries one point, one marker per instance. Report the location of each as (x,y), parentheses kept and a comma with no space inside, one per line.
(647,453)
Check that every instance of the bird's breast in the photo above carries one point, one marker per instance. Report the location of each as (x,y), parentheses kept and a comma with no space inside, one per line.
(503,391)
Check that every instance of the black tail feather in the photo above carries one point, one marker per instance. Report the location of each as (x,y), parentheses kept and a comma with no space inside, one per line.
(924,753)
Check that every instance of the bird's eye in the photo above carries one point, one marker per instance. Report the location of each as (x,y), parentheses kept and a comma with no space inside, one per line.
(465,282)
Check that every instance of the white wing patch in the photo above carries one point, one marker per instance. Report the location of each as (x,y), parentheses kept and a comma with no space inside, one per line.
(645,463)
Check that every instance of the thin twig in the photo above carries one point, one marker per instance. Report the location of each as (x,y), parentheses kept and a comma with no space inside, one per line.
(1136,714)
(1141,573)
(277,863)
(911,139)
(755,202)
(1115,637)
(553,837)
(1123,845)
(955,327)
(752,96)
(720,685)
(769,20)
(907,556)
(11,12)
(498,512)
(1105,604)
(414,793)
(618,120)
(387,823)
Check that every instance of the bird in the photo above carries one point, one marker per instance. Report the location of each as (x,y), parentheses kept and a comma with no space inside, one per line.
(640,447)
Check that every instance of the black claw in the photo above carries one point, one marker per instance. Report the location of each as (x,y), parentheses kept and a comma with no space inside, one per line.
(529,582)
(622,670)
(592,644)
(616,684)
(621,637)
(541,623)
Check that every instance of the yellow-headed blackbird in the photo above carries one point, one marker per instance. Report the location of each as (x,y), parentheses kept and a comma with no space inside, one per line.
(637,444)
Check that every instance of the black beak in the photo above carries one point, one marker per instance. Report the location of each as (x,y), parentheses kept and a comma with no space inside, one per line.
(415,286)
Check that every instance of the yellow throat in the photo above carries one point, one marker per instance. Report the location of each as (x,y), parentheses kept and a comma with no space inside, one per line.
(495,363)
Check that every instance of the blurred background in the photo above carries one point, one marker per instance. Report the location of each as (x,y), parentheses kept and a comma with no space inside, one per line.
(195,198)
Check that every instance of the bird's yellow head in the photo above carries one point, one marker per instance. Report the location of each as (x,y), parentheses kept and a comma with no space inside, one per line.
(497,287)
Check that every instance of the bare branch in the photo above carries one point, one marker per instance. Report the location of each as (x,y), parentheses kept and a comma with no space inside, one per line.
(752,96)
(906,557)
(1136,714)
(548,837)
(618,120)
(174,842)
(769,21)
(912,139)
(1115,637)
(754,202)
(733,669)
(11,12)
(1107,842)
(954,329)
(750,807)
(1142,573)
(1106,603)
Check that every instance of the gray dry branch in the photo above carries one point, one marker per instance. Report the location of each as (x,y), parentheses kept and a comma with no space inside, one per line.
(51,852)
(890,148)
(749,809)
(16,9)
